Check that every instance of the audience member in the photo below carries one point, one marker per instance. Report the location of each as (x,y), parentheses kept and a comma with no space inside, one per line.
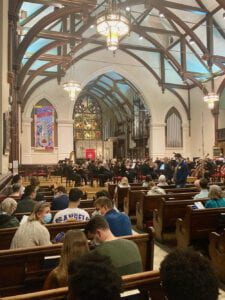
(124,183)
(72,213)
(216,197)
(75,245)
(181,171)
(162,180)
(16,190)
(27,203)
(119,223)
(155,190)
(203,184)
(61,199)
(124,253)
(186,275)
(147,181)
(35,182)
(32,232)
(93,277)
(8,207)
(18,179)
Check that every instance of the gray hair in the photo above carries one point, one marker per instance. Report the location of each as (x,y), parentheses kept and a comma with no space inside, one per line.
(215,192)
(9,205)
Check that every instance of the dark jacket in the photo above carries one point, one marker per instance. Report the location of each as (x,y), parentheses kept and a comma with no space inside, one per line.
(61,202)
(181,173)
(25,205)
(7,221)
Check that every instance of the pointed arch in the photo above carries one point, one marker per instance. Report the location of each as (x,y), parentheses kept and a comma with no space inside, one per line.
(173,129)
(44,102)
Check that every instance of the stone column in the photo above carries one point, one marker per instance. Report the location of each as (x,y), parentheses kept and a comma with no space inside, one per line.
(65,138)
(157,140)
(186,141)
(26,141)
(4,86)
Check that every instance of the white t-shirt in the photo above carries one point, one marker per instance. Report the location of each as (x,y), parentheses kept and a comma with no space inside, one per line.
(77,214)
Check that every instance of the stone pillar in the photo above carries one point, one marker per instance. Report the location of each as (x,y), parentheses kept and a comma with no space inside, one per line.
(65,138)
(4,86)
(157,140)
(186,141)
(26,141)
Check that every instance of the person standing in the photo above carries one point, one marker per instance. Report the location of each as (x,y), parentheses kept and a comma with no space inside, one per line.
(181,171)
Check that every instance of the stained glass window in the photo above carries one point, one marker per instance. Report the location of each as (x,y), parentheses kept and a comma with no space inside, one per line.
(87,119)
(173,129)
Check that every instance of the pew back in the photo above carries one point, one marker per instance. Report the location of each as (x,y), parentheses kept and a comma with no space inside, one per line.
(197,224)
(6,235)
(29,265)
(147,283)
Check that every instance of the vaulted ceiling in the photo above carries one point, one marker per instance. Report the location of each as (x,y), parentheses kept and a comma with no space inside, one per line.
(180,42)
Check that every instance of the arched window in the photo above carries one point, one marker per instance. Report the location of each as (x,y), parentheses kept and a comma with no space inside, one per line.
(44,129)
(173,129)
(87,119)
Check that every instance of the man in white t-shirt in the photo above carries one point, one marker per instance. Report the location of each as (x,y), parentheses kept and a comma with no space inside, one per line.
(72,213)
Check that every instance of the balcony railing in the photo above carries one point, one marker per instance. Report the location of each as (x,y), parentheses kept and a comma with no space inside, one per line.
(221,134)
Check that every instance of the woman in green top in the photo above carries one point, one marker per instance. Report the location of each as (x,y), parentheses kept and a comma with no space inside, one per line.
(216,197)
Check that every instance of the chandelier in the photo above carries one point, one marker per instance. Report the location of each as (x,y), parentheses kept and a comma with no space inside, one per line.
(210,99)
(70,85)
(73,88)
(113,24)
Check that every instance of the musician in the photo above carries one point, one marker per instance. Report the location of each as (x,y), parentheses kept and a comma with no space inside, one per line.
(181,171)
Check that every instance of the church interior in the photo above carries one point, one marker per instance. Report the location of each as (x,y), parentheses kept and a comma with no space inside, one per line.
(112,118)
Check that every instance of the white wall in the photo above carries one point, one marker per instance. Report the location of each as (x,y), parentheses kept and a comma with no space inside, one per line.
(157,102)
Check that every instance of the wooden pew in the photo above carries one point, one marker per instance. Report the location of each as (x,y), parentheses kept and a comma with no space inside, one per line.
(30,272)
(196,225)
(146,283)
(7,234)
(217,253)
(147,204)
(19,216)
(165,217)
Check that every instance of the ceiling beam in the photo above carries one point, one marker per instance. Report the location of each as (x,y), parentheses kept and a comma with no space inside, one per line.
(55,35)
(156,30)
(58,3)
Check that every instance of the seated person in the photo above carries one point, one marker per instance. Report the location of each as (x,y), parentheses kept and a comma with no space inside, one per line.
(124,254)
(61,199)
(155,190)
(119,223)
(32,232)
(187,275)
(8,207)
(15,191)
(124,183)
(146,182)
(216,197)
(75,245)
(162,180)
(17,179)
(72,213)
(35,182)
(93,277)
(27,203)
(203,184)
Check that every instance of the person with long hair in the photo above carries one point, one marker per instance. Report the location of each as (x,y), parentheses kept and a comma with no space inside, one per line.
(74,246)
(32,231)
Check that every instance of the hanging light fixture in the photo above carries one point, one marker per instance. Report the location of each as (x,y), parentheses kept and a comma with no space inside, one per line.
(210,99)
(71,86)
(113,24)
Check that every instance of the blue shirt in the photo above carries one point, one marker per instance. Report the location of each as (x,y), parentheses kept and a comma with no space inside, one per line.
(119,223)
(215,203)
